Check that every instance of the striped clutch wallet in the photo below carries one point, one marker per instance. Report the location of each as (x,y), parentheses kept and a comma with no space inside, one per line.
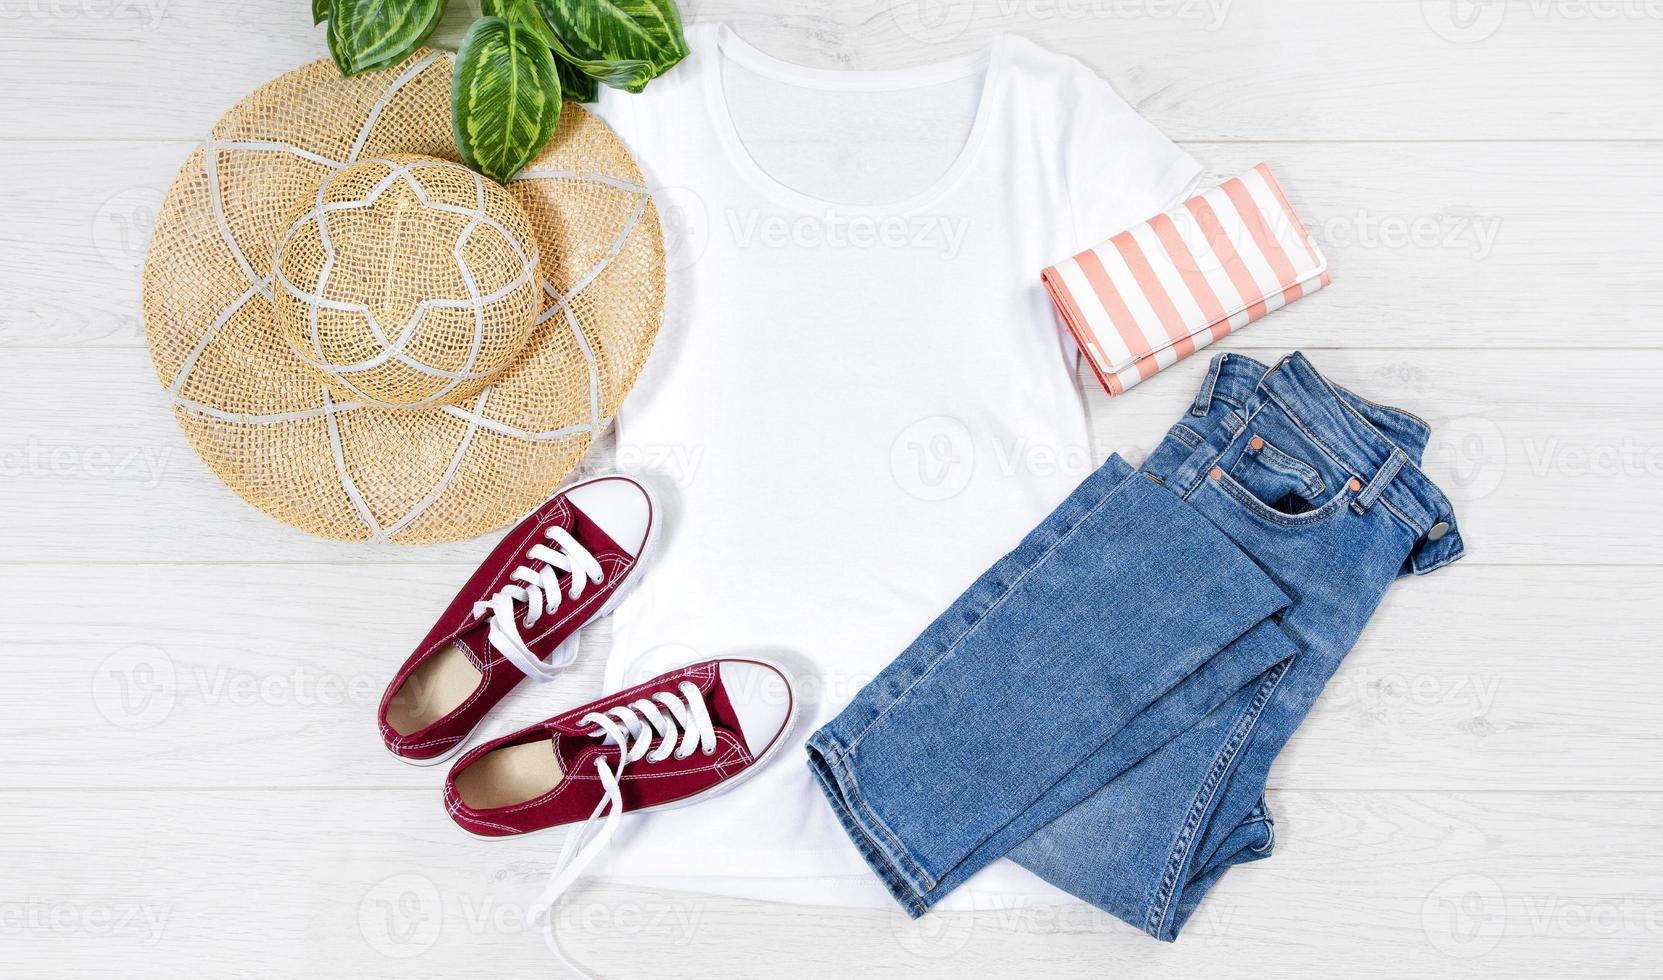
(1154,294)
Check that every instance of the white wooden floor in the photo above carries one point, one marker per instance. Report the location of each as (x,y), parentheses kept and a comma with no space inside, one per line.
(191,784)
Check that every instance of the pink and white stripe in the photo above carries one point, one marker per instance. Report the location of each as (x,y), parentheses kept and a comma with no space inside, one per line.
(1155,294)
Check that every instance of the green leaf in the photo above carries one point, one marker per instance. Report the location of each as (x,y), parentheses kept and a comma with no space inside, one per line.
(622,43)
(505,97)
(574,84)
(320,11)
(631,76)
(524,13)
(368,34)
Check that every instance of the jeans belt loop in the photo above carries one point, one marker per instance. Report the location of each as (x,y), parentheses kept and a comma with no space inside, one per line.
(1382,479)
(1204,398)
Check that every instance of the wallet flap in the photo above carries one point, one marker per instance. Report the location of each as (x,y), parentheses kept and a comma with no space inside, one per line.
(1153,294)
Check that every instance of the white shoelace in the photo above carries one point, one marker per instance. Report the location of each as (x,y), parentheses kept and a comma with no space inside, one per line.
(632,728)
(540,592)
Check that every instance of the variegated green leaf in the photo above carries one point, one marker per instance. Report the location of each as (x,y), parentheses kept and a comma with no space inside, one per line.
(320,11)
(631,76)
(623,43)
(524,13)
(574,84)
(368,34)
(505,97)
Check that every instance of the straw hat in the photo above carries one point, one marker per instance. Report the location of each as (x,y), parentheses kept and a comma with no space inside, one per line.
(367,340)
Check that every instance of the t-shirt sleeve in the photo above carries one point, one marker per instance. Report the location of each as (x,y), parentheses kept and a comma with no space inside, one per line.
(1118,170)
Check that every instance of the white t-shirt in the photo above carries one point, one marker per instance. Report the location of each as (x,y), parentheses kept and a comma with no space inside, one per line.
(860,398)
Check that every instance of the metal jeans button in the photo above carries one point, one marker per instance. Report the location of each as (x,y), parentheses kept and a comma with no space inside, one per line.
(1437,530)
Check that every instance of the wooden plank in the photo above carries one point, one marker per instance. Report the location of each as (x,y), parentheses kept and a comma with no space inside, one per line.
(1479,678)
(1432,245)
(1550,456)
(1201,69)
(359,884)
(74,244)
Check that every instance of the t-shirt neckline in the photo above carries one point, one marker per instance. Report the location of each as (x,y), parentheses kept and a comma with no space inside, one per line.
(728,45)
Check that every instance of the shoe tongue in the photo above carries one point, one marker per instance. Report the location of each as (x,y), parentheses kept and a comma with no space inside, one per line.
(638,726)
(589,533)
(634,729)
(722,713)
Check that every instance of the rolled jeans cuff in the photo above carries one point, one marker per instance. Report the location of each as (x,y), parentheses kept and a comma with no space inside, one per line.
(908,883)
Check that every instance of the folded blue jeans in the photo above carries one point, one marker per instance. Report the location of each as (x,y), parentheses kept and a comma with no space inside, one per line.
(1103,705)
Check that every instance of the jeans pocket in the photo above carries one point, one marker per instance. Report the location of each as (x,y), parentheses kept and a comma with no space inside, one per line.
(1313,512)
(1278,479)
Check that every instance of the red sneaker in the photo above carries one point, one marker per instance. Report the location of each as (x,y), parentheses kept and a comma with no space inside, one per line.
(671,741)
(564,566)
(707,725)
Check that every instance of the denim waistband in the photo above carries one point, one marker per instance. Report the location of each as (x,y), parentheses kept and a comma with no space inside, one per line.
(1381,446)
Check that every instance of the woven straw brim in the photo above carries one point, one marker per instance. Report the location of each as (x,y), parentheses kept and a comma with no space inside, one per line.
(265,422)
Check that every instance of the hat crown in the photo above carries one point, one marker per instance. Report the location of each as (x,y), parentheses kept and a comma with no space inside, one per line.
(406,281)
